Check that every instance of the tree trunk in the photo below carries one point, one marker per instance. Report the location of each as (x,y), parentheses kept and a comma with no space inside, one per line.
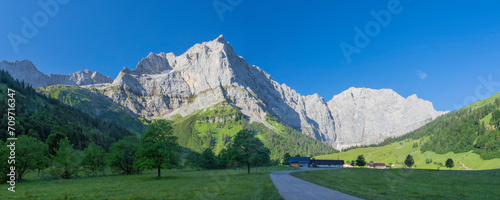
(248,164)
(159,172)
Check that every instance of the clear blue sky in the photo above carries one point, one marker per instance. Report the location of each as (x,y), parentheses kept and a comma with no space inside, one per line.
(435,49)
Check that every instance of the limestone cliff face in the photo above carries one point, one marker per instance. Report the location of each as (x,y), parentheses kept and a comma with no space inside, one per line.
(164,85)
(211,72)
(26,70)
(366,116)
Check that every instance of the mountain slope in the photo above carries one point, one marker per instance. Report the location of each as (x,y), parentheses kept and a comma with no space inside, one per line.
(164,85)
(96,104)
(211,72)
(214,128)
(36,115)
(395,153)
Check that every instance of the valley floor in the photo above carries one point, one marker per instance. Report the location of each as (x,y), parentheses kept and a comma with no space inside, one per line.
(208,184)
(408,184)
(395,154)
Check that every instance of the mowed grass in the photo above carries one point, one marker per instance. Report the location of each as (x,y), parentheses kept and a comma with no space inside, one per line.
(408,184)
(396,153)
(207,184)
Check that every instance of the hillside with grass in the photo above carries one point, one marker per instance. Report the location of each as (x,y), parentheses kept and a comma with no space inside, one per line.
(36,115)
(96,104)
(214,128)
(396,152)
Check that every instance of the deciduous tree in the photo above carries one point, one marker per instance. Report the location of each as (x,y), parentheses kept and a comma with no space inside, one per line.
(30,155)
(122,154)
(159,148)
(56,135)
(93,159)
(249,149)
(65,162)
(449,163)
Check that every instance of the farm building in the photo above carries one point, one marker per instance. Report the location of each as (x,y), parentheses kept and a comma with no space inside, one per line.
(327,163)
(378,166)
(297,161)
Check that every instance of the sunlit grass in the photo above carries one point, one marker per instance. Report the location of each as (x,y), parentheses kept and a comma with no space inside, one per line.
(177,184)
(408,184)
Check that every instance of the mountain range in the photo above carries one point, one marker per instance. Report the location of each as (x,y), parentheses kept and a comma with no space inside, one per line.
(168,86)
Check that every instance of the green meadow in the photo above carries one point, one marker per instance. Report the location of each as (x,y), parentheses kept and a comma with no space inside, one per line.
(176,184)
(395,153)
(408,183)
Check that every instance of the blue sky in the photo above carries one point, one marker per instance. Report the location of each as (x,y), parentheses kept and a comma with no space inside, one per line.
(443,51)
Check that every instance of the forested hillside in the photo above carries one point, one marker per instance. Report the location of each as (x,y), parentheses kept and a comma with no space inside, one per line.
(96,104)
(475,127)
(38,115)
(215,127)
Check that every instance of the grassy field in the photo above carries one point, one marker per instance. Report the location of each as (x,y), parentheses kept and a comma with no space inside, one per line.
(408,184)
(208,184)
(396,153)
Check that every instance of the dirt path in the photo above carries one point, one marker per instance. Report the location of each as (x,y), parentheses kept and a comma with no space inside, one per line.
(290,188)
(466,168)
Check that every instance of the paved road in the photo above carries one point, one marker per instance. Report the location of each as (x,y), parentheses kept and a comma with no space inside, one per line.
(291,188)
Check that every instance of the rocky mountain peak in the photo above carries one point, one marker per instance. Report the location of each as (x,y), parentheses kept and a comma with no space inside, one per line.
(155,63)
(211,73)
(26,70)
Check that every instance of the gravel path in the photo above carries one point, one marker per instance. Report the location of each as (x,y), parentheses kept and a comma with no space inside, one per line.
(290,187)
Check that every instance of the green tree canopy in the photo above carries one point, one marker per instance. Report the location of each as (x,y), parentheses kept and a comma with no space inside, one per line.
(205,160)
(31,154)
(56,135)
(122,154)
(65,161)
(409,161)
(159,148)
(249,150)
(193,160)
(208,159)
(449,163)
(361,161)
(93,159)
(286,159)
(227,156)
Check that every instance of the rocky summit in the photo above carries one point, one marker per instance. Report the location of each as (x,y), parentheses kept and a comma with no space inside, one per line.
(164,85)
(26,70)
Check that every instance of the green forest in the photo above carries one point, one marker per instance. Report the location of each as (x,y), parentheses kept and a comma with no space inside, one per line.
(475,127)
(215,127)
(38,116)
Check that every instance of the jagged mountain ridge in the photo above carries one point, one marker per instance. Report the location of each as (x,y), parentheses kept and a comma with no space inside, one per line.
(26,70)
(164,85)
